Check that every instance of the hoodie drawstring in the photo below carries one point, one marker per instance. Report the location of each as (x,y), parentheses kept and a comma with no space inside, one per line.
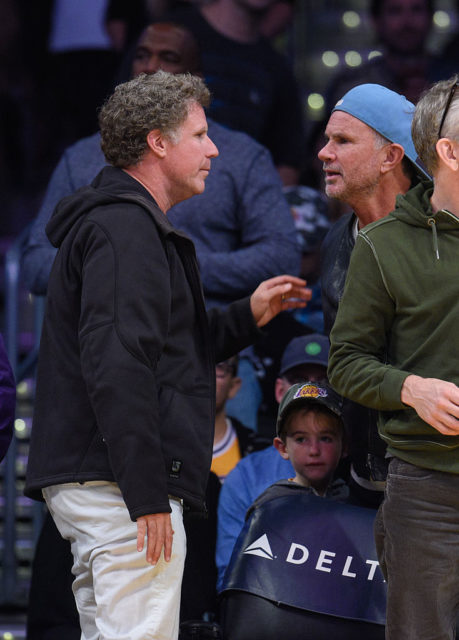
(431,221)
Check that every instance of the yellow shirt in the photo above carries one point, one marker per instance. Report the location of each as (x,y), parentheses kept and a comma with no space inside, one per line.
(226,453)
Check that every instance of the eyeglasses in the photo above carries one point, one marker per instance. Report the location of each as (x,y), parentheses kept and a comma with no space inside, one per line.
(223,369)
(452,91)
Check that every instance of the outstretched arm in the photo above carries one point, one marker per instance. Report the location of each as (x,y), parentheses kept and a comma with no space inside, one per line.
(235,327)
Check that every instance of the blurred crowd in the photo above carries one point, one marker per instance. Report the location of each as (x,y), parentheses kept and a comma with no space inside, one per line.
(285,195)
(59,60)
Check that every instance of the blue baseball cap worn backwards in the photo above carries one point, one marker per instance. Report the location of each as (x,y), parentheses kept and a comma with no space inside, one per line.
(385,111)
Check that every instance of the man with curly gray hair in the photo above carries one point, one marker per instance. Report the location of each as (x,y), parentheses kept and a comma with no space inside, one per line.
(125,395)
(147,102)
(395,348)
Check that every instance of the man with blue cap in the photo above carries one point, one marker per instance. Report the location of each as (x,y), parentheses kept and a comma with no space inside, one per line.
(368,160)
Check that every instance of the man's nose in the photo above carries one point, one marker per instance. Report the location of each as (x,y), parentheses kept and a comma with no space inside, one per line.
(213,151)
(325,153)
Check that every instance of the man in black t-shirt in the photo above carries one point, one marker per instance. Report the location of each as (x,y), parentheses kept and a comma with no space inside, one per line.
(252,86)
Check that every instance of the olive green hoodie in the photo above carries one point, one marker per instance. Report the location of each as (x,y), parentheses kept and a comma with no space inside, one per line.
(399,315)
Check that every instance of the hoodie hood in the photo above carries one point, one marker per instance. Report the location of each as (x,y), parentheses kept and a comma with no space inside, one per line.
(414,208)
(110,186)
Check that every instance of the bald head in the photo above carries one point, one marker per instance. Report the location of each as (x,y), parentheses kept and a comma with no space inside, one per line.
(166,46)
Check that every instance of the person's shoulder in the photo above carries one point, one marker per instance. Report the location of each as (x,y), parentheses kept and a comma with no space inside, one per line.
(251,465)
(280,489)
(344,222)
(342,227)
(261,458)
(116,198)
(83,160)
(372,230)
(84,146)
(102,206)
(276,489)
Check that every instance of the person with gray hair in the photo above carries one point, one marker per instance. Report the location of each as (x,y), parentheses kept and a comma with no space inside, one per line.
(395,348)
(253,237)
(124,140)
(125,394)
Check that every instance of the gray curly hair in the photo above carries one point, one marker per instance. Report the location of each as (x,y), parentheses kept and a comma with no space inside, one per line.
(427,117)
(157,101)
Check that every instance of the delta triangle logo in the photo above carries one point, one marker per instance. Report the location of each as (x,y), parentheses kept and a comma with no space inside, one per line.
(260,547)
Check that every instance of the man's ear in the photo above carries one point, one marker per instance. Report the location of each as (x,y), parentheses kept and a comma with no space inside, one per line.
(279,444)
(448,152)
(393,155)
(156,143)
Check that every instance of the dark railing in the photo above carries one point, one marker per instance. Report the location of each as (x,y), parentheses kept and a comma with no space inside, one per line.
(23,366)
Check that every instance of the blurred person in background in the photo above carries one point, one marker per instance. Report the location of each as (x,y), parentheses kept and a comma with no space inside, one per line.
(253,86)
(402,28)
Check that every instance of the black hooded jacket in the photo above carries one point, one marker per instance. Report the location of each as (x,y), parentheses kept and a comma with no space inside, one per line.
(126,372)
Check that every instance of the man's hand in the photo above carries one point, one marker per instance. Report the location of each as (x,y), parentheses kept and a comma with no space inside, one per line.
(278,294)
(158,529)
(435,401)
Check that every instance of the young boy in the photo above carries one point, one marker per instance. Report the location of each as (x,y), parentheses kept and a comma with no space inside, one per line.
(311,434)
(232,440)
(290,568)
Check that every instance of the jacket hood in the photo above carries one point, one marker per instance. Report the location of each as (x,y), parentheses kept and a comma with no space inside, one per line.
(414,208)
(109,186)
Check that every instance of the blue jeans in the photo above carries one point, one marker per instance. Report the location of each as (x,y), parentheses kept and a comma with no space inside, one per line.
(417,539)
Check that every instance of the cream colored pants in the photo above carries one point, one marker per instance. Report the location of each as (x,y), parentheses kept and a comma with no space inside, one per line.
(119,595)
